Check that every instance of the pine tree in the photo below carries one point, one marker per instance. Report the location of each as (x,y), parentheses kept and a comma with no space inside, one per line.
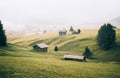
(71,29)
(79,31)
(106,36)
(56,48)
(3,39)
(87,53)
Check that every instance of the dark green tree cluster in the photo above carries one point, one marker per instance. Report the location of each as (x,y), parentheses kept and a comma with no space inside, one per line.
(106,36)
(79,31)
(3,39)
(56,48)
(76,32)
(73,31)
(87,53)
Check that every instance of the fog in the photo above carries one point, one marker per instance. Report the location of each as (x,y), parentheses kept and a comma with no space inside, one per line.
(39,15)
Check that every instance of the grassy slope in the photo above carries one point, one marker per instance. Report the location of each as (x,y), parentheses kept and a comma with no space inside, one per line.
(23,63)
(20,61)
(73,44)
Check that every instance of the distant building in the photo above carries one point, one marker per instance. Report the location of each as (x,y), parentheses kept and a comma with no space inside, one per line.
(41,47)
(74,57)
(62,32)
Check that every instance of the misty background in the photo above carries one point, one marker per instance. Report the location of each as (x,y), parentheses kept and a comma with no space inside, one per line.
(53,15)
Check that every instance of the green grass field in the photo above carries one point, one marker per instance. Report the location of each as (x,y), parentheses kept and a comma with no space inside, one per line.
(18,60)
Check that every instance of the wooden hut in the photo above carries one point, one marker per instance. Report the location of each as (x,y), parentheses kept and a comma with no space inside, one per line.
(41,47)
(74,57)
(62,32)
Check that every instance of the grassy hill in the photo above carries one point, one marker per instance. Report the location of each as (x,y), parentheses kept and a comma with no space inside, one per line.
(73,44)
(18,60)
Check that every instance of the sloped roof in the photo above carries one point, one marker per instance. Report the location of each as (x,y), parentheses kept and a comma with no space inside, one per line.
(74,57)
(42,45)
(63,31)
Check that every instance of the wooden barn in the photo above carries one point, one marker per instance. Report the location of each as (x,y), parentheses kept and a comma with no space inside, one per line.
(41,47)
(74,57)
(62,32)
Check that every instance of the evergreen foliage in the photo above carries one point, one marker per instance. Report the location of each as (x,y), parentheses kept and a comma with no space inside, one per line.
(106,36)
(56,48)
(71,29)
(87,53)
(79,31)
(3,39)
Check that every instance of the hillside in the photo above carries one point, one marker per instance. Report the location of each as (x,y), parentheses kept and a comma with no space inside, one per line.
(18,60)
(72,44)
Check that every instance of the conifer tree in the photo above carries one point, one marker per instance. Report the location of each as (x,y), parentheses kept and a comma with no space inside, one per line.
(79,31)
(3,39)
(56,48)
(71,29)
(106,36)
(87,53)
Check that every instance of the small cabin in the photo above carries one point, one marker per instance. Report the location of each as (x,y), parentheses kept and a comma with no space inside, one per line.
(62,32)
(74,57)
(41,47)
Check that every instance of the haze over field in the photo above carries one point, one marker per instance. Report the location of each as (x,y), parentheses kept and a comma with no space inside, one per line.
(38,15)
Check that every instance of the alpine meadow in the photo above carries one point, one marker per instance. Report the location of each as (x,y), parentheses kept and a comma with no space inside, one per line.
(59,38)
(19,60)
